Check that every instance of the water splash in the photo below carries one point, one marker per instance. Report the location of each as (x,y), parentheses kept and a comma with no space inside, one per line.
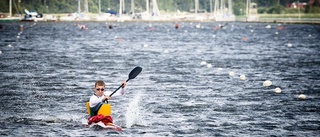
(133,111)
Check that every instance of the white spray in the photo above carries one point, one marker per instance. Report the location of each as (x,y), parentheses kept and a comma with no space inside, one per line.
(133,111)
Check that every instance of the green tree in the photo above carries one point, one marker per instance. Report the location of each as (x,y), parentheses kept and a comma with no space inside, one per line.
(4,6)
(239,7)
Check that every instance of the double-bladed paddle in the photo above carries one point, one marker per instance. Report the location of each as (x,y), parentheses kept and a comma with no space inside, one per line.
(135,72)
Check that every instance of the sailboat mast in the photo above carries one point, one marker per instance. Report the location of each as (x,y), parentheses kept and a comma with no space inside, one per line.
(10,8)
(230,7)
(123,6)
(210,6)
(248,8)
(120,8)
(215,9)
(79,6)
(99,6)
(87,6)
(132,7)
(147,6)
(196,6)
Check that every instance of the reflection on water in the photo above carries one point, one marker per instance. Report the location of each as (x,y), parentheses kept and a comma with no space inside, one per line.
(190,84)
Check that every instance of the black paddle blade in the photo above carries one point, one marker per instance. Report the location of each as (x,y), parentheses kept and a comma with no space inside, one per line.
(135,72)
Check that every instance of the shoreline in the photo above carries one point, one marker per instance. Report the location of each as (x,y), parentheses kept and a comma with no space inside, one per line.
(205,17)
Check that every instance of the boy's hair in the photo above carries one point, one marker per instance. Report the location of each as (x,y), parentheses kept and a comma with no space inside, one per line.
(99,83)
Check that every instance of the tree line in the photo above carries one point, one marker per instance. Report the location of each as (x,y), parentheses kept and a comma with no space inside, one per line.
(71,6)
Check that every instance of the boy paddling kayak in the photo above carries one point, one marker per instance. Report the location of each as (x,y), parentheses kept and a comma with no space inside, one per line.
(98,107)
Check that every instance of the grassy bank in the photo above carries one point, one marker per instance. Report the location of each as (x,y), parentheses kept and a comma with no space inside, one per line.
(285,18)
(302,15)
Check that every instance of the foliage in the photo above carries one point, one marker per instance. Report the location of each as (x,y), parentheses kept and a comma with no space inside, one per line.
(276,10)
(70,6)
(239,8)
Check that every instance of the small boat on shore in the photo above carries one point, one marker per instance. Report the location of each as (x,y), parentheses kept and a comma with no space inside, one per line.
(32,16)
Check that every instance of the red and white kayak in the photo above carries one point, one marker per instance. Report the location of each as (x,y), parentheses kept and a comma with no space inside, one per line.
(109,126)
(103,118)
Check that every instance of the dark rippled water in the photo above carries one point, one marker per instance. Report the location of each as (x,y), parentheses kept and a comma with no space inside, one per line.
(48,73)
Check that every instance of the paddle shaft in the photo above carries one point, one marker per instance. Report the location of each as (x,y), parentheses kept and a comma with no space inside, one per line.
(135,72)
(118,88)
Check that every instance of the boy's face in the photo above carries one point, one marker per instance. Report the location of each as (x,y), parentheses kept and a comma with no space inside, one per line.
(99,90)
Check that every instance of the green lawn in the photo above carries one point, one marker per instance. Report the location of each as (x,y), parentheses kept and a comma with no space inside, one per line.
(302,15)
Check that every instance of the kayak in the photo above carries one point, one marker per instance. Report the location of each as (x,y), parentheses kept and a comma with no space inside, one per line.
(110,126)
(103,118)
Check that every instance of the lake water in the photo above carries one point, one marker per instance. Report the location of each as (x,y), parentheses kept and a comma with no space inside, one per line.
(48,72)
